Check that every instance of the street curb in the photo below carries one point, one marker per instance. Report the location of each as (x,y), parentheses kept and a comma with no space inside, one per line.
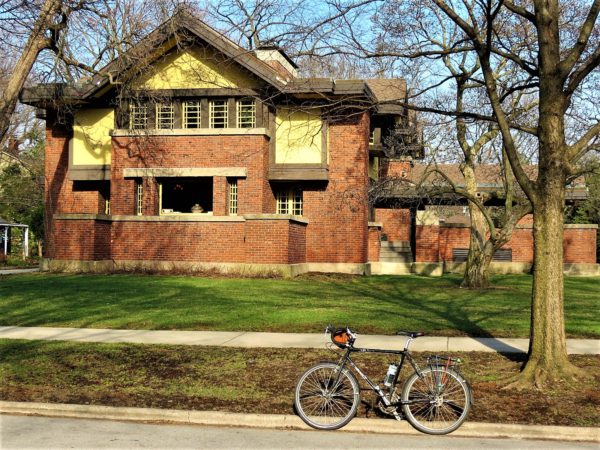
(290,422)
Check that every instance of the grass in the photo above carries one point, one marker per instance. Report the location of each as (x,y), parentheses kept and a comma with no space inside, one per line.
(257,380)
(305,304)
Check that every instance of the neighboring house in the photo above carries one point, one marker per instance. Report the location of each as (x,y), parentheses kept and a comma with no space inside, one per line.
(191,152)
(430,224)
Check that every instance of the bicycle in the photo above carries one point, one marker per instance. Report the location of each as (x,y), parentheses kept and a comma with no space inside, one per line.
(435,399)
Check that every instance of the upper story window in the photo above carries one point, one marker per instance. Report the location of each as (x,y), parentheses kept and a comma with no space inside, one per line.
(191,114)
(218,114)
(289,202)
(138,117)
(246,114)
(165,116)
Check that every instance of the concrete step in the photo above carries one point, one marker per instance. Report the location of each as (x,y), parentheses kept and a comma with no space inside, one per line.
(395,245)
(404,258)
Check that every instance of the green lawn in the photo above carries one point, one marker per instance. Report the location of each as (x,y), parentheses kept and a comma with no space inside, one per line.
(305,304)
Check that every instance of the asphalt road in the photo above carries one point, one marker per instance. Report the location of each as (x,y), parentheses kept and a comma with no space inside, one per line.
(43,432)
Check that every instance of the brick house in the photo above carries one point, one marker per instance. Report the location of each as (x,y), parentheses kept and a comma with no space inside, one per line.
(189,152)
(192,152)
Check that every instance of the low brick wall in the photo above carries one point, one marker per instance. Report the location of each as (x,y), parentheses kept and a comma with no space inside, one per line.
(579,243)
(256,239)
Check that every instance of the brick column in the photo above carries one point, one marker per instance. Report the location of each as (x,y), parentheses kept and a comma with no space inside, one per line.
(428,237)
(374,241)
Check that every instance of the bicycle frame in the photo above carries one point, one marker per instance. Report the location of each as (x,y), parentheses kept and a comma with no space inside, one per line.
(404,355)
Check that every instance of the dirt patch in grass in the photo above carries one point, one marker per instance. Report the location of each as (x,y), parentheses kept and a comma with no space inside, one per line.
(258,380)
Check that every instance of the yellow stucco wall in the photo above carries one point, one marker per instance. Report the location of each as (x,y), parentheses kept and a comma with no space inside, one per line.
(91,142)
(195,68)
(298,138)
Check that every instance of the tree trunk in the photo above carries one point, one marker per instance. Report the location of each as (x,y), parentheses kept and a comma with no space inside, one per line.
(476,274)
(36,42)
(547,359)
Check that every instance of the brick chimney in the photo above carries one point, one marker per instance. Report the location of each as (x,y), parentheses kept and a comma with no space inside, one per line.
(275,57)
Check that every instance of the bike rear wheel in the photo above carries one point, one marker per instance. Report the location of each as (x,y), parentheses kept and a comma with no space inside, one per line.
(327,396)
(437,401)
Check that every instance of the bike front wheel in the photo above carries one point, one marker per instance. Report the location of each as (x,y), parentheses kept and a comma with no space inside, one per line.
(436,401)
(327,396)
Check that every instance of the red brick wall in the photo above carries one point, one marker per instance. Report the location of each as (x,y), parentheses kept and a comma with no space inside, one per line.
(396,223)
(579,245)
(87,240)
(428,243)
(251,152)
(402,169)
(251,241)
(374,243)
(338,211)
(60,195)
(297,243)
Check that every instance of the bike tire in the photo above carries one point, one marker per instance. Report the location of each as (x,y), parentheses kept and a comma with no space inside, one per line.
(438,400)
(326,396)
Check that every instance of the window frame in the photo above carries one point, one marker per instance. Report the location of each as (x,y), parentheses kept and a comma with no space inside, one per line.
(185,114)
(240,105)
(292,199)
(139,197)
(138,123)
(169,116)
(232,196)
(212,109)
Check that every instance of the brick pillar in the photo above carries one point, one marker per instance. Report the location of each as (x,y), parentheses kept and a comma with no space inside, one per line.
(427,237)
(219,196)
(374,241)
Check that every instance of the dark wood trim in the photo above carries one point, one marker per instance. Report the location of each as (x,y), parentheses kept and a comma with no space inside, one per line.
(203,113)
(178,114)
(259,113)
(89,173)
(200,92)
(298,173)
(231,113)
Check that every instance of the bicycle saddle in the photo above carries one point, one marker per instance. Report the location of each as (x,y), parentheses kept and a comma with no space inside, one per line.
(412,334)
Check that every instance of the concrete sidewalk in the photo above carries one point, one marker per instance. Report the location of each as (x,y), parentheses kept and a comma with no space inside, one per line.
(283,340)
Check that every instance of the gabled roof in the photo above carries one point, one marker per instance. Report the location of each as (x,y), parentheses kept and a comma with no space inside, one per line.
(387,94)
(183,22)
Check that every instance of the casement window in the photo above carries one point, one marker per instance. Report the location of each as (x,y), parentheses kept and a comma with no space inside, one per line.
(217,114)
(289,202)
(246,114)
(165,116)
(232,196)
(186,195)
(139,198)
(191,114)
(138,117)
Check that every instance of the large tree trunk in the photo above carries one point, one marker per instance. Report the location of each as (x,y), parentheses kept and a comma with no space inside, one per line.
(548,359)
(36,42)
